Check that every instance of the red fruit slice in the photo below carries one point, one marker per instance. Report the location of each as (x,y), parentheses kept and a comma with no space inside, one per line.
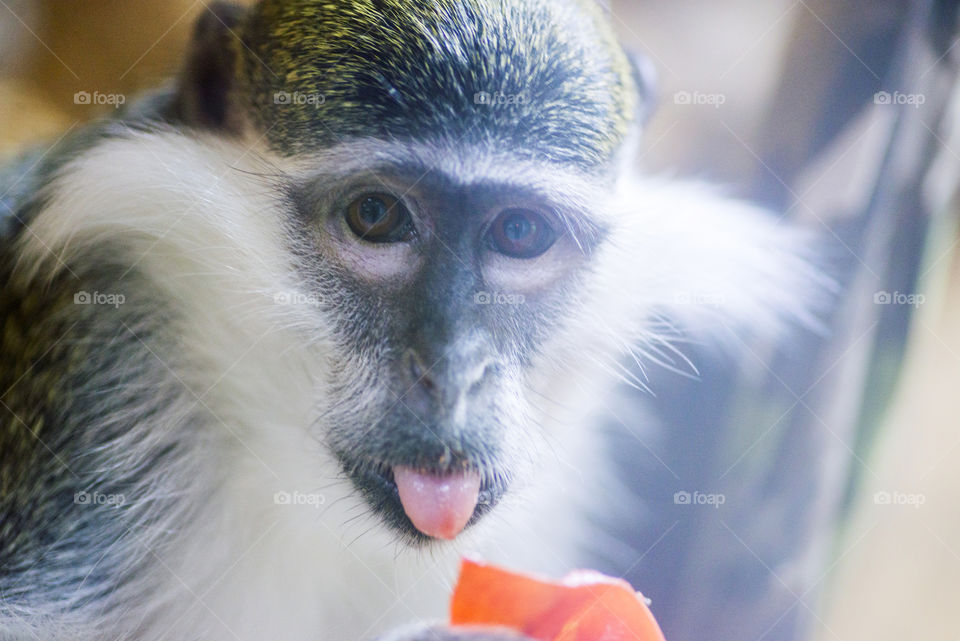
(585,606)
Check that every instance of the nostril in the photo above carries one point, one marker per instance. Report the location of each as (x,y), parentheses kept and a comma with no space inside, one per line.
(419,373)
(480,375)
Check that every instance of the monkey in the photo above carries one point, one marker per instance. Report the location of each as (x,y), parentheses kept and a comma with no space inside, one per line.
(285,337)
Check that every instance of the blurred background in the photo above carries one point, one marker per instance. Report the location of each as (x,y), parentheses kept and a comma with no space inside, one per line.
(842,114)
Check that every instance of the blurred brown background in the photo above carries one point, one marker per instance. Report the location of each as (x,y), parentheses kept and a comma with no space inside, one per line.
(896,571)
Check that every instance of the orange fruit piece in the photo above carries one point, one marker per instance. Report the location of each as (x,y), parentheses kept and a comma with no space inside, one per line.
(584,606)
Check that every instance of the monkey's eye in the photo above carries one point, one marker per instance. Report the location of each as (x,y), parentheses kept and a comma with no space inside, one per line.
(521,233)
(379,218)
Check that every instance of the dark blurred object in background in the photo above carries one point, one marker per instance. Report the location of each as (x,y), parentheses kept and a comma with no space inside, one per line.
(853,144)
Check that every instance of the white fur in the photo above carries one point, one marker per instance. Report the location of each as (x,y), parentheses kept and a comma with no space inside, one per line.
(200,219)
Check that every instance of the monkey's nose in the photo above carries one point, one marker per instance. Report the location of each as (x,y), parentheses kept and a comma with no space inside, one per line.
(421,375)
(445,382)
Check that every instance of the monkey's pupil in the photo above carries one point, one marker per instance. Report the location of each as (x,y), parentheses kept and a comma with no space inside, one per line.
(373,210)
(517,228)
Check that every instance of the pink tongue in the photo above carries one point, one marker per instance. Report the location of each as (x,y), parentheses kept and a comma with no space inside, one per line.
(438,506)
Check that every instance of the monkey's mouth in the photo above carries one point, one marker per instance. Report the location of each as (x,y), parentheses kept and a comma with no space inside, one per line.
(426,504)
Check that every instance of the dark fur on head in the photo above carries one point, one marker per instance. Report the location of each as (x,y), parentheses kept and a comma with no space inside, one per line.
(546,79)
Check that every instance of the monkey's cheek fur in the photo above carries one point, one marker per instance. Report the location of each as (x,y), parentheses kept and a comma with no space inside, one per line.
(438,505)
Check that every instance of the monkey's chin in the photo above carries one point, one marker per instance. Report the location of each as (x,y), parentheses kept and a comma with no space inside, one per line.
(433,506)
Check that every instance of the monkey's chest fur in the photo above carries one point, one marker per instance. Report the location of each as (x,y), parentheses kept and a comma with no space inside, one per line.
(113,490)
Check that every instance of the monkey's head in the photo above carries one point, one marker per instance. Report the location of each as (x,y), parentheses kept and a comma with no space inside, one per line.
(447,169)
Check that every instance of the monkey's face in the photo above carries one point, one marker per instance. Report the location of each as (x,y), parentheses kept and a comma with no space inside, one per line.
(444,280)
(442,158)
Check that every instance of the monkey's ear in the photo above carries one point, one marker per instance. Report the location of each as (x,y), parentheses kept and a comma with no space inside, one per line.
(647,80)
(203,93)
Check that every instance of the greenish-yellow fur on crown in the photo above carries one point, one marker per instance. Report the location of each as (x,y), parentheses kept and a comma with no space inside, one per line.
(542,77)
